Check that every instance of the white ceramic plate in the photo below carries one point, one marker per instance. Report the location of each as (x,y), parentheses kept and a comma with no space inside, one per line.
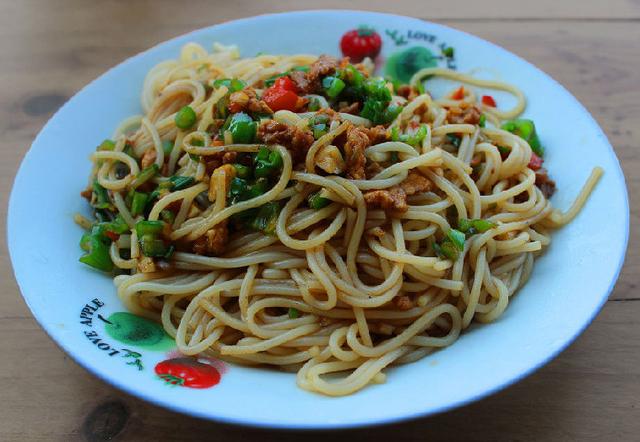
(79,309)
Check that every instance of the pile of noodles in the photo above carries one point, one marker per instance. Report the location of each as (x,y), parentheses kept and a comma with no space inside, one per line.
(326,264)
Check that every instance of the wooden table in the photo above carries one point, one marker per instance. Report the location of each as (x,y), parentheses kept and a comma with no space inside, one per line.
(49,50)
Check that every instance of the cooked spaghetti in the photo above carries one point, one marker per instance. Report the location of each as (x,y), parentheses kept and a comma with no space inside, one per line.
(296,211)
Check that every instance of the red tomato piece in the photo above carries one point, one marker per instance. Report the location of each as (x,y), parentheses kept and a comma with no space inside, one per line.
(488,100)
(285,83)
(458,94)
(535,163)
(280,99)
(360,43)
(187,372)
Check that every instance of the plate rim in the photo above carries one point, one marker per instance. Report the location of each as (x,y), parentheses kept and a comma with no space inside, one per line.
(253,422)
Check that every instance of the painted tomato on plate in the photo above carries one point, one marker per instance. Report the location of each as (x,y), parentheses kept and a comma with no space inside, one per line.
(187,372)
(360,43)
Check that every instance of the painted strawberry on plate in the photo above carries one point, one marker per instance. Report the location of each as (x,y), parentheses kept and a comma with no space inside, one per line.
(187,372)
(360,43)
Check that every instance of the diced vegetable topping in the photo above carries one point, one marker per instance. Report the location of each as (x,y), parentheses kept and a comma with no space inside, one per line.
(266,218)
(316,201)
(526,130)
(488,100)
(267,163)
(473,226)
(145,175)
(293,313)
(107,145)
(233,85)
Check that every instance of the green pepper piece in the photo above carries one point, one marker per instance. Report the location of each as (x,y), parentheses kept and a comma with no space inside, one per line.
(333,86)
(354,77)
(293,313)
(107,145)
(102,200)
(376,89)
(482,122)
(243,128)
(152,246)
(181,182)
(390,113)
(233,85)
(267,162)
(319,130)
(525,129)
(473,226)
(185,117)
(266,218)
(457,238)
(97,247)
(145,175)
(317,202)
(446,250)
(167,216)
(138,203)
(145,227)
(314,104)
(242,171)
(418,136)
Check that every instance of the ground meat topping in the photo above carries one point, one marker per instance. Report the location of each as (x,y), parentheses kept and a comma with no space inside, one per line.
(353,108)
(376,134)
(247,100)
(213,242)
(296,140)
(310,82)
(416,183)
(373,168)
(403,302)
(218,159)
(544,183)
(393,199)
(357,142)
(464,113)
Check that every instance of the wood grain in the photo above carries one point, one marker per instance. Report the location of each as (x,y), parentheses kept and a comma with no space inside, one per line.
(591,392)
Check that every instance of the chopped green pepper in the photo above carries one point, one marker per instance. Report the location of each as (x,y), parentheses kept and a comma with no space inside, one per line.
(457,238)
(266,218)
(333,86)
(267,162)
(181,182)
(102,200)
(446,250)
(167,216)
(145,227)
(154,247)
(242,171)
(473,226)
(145,175)
(138,203)
(107,145)
(232,84)
(482,122)
(317,202)
(319,130)
(293,313)
(526,130)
